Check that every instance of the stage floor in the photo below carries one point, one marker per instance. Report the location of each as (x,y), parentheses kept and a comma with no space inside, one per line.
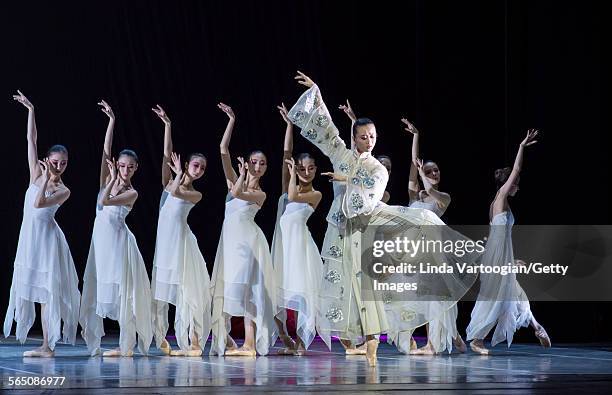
(525,368)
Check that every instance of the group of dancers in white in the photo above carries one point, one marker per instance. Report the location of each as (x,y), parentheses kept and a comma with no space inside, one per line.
(250,279)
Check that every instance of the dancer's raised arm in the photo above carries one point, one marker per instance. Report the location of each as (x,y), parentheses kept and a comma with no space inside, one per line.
(108,142)
(226,160)
(499,204)
(312,116)
(166,174)
(32,136)
(287,146)
(239,189)
(413,180)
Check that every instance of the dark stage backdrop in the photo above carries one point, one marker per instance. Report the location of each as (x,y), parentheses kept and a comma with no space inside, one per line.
(472,76)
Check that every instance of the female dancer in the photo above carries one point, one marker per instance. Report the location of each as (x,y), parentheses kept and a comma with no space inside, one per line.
(116,284)
(384,159)
(44,272)
(179,275)
(442,332)
(242,282)
(501,301)
(297,262)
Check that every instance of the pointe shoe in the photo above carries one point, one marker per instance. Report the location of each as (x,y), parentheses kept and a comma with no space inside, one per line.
(300,351)
(194,352)
(479,349)
(230,344)
(39,353)
(372,346)
(241,352)
(459,345)
(361,350)
(425,350)
(117,353)
(286,351)
(288,342)
(543,337)
(165,347)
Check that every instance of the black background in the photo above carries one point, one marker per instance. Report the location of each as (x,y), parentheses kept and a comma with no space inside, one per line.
(472,76)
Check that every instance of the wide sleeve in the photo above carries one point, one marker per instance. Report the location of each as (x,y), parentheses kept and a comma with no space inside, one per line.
(364,190)
(311,115)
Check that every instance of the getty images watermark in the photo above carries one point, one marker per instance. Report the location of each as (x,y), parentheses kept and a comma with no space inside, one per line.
(439,263)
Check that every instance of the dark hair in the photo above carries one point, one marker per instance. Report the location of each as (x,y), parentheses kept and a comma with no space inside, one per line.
(382,156)
(57,148)
(130,153)
(196,155)
(304,155)
(361,122)
(257,152)
(501,176)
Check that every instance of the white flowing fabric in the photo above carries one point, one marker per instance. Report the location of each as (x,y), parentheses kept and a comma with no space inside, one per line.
(297,269)
(442,330)
(242,282)
(43,273)
(179,276)
(116,284)
(501,300)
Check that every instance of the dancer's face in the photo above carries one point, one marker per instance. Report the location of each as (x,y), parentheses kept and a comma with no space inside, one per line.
(258,163)
(58,162)
(196,167)
(432,172)
(126,167)
(306,170)
(365,138)
(387,163)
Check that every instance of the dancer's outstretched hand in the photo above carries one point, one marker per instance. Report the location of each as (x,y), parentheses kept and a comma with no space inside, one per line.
(529,139)
(175,165)
(283,112)
(112,169)
(348,110)
(242,166)
(106,109)
(334,177)
(291,165)
(227,109)
(303,79)
(20,97)
(161,114)
(409,126)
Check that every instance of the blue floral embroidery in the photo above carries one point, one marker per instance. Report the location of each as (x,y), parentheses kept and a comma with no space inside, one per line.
(334,314)
(356,201)
(335,251)
(299,116)
(338,217)
(322,121)
(333,276)
(311,134)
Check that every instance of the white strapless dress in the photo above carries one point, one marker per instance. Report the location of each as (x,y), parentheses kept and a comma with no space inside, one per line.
(43,273)
(242,282)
